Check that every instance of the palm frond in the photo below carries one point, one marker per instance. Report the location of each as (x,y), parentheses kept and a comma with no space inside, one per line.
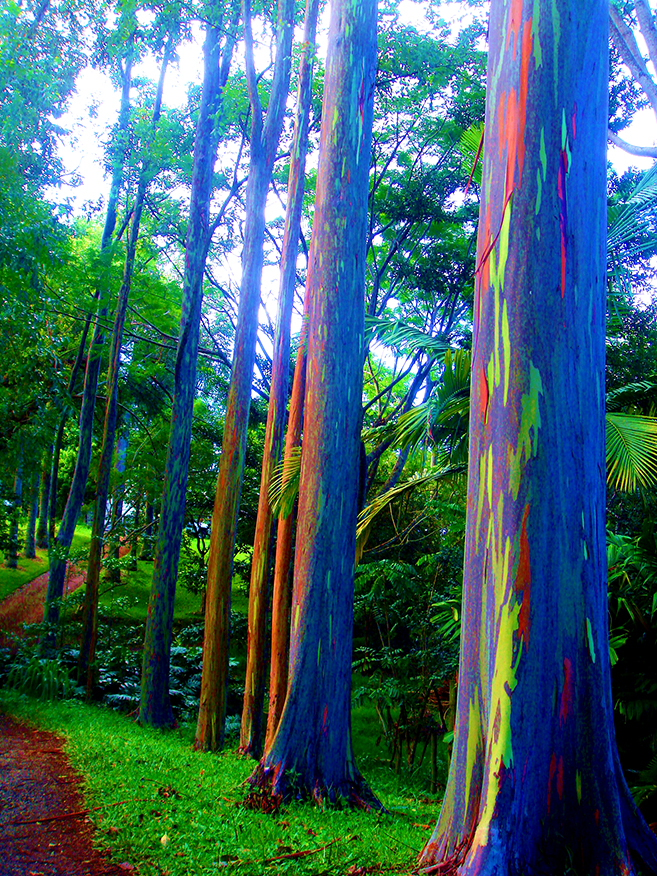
(370,512)
(404,336)
(641,394)
(284,485)
(469,147)
(631,450)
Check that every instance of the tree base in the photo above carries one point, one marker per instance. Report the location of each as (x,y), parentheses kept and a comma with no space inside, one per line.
(281,785)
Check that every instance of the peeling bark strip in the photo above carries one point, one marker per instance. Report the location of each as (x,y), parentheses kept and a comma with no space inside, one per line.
(534,784)
(311,752)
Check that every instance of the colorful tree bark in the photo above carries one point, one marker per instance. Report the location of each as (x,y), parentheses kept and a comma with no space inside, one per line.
(155,707)
(90,607)
(534,784)
(264,141)
(254,687)
(311,752)
(281,596)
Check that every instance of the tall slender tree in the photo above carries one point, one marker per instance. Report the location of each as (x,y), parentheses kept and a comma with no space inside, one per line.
(60,546)
(265,134)
(535,784)
(280,611)
(155,706)
(311,752)
(90,609)
(254,686)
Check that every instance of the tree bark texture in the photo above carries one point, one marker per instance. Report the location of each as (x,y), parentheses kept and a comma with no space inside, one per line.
(282,591)
(155,706)
(264,141)
(256,667)
(311,752)
(534,785)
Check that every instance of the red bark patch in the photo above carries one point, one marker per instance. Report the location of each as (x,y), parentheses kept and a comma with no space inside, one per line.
(523,582)
(568,690)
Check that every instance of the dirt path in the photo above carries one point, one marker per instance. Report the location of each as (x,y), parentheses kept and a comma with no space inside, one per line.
(37,781)
(25,605)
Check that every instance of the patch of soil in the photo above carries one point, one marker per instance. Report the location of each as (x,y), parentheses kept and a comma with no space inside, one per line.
(38,782)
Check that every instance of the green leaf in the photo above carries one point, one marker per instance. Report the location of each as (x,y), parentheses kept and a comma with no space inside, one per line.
(631,450)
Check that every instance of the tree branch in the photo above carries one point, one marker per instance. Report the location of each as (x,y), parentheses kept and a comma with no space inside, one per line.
(644,151)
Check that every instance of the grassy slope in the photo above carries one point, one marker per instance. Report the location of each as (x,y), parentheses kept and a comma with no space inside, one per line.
(180,811)
(28,570)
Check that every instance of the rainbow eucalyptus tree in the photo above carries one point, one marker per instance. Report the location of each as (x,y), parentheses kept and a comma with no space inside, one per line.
(311,752)
(535,784)
(90,608)
(254,687)
(155,706)
(265,134)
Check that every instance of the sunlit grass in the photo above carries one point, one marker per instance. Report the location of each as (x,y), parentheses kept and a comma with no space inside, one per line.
(28,570)
(165,806)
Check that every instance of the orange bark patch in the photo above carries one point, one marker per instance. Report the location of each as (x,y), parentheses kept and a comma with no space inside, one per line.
(515,17)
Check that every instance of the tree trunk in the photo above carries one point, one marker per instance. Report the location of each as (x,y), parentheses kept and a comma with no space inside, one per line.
(147,538)
(534,785)
(90,609)
(155,707)
(59,434)
(281,599)
(264,141)
(42,528)
(62,542)
(30,532)
(254,688)
(312,753)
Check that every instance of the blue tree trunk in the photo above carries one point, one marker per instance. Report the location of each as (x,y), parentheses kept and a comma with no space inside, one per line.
(311,752)
(534,785)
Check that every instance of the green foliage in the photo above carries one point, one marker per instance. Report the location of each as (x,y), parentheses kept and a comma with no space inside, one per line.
(43,678)
(631,450)
(404,658)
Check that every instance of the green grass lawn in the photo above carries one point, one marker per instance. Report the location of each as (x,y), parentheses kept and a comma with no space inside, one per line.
(173,810)
(128,601)
(28,570)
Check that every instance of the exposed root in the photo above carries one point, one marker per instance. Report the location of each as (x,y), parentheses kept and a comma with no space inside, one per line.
(284,785)
(263,800)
